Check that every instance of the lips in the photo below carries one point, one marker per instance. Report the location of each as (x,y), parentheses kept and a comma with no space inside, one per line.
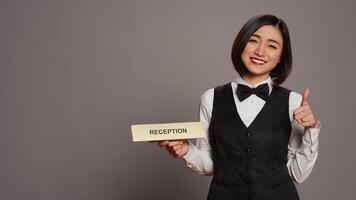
(257,61)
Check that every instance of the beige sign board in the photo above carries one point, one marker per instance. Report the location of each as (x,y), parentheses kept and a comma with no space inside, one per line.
(167,131)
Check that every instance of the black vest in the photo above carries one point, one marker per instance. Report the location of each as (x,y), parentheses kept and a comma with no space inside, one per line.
(250,162)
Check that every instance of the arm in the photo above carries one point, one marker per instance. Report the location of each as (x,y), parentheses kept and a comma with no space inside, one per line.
(303,144)
(198,157)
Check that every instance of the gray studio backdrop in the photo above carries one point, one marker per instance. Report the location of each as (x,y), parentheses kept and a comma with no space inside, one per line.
(74,75)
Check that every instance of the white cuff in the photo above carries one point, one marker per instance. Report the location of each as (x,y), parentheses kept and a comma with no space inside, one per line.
(311,138)
(189,156)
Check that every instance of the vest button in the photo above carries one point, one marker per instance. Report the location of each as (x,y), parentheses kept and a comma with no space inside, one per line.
(247,133)
(248,149)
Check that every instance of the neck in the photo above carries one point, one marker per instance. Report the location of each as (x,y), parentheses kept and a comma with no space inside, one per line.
(253,79)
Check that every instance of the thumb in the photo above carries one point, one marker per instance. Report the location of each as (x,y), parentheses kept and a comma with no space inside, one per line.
(305,96)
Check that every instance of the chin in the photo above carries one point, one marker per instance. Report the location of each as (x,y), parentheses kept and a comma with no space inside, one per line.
(259,70)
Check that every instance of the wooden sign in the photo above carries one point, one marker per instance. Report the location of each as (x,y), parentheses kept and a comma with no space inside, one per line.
(167,131)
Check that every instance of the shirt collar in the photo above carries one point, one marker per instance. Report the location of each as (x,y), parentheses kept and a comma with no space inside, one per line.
(268,80)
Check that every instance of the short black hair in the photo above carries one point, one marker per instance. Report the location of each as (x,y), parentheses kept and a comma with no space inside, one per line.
(280,73)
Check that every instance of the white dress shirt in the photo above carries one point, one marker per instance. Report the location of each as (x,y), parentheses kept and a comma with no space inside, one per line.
(303,143)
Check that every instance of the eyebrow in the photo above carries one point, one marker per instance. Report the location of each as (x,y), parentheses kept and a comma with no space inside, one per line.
(272,40)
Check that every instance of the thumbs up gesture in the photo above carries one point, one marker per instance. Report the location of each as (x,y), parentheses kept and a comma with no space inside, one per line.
(304,115)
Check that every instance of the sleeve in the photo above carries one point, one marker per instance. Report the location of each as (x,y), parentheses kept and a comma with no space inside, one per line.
(198,157)
(303,145)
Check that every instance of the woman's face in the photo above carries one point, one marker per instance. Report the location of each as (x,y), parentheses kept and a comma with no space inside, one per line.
(263,51)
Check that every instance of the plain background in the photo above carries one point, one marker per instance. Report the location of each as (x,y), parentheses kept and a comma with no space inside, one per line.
(74,75)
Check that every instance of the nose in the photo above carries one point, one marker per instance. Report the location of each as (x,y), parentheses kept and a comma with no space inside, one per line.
(259,50)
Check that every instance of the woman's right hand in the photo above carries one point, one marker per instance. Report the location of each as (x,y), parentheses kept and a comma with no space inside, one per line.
(177,148)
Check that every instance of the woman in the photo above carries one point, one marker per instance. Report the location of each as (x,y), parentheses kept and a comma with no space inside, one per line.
(260,137)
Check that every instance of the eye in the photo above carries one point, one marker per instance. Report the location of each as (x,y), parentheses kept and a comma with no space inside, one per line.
(272,46)
(252,40)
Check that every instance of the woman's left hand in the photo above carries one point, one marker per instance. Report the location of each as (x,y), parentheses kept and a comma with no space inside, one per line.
(304,114)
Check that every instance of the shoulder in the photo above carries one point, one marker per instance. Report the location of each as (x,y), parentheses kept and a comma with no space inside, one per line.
(281,89)
(295,99)
(207,97)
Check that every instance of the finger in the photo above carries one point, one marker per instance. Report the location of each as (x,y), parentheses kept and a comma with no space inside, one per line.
(163,143)
(302,109)
(307,118)
(173,143)
(170,150)
(173,153)
(305,97)
(299,116)
(299,110)
(299,120)
(176,147)
(308,123)
(179,152)
(302,114)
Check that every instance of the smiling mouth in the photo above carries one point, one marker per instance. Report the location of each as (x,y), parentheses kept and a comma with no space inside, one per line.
(257,61)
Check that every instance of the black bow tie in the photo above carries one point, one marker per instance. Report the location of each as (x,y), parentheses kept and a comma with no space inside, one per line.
(243,91)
